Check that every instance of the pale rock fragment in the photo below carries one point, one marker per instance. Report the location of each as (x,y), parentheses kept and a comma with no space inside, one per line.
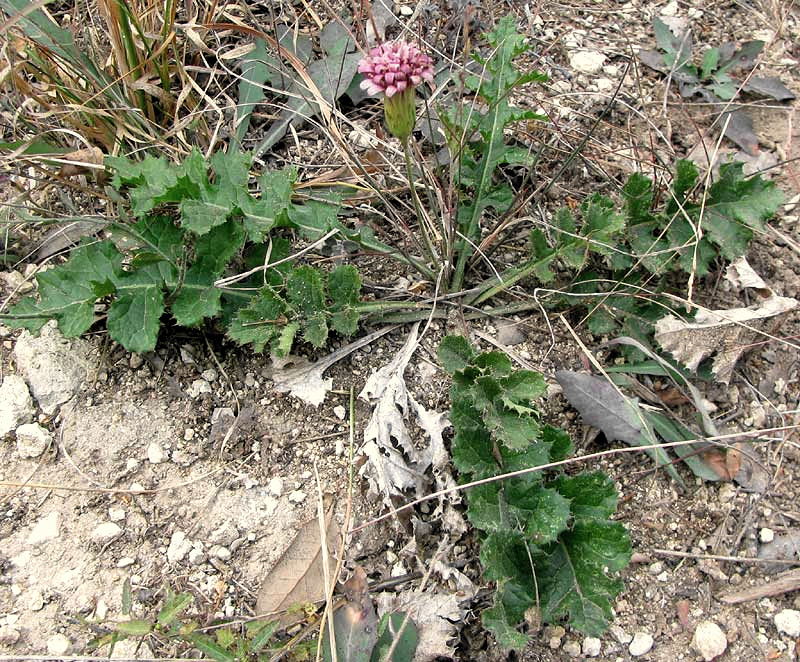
(32,440)
(34,600)
(275,486)
(16,404)
(220,552)
(53,366)
(587,61)
(198,387)
(156,454)
(297,496)
(179,547)
(46,529)
(709,640)
(619,634)
(9,636)
(58,644)
(592,647)
(106,532)
(787,621)
(641,644)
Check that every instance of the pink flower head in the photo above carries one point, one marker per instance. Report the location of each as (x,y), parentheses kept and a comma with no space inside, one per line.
(394,67)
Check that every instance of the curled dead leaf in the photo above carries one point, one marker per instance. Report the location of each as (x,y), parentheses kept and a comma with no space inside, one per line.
(724,334)
(81,162)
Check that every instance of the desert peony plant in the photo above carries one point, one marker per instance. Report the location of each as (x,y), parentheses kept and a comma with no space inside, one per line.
(395,69)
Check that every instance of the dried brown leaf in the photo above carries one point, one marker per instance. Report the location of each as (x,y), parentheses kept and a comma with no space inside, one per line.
(298,577)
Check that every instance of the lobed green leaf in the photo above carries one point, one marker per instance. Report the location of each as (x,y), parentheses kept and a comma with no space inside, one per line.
(67,293)
(454,353)
(574,574)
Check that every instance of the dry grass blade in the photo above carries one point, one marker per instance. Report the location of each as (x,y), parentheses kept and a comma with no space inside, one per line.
(130,99)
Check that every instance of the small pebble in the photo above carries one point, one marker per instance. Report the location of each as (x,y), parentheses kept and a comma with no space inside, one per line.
(766,535)
(641,644)
(297,496)
(178,548)
(587,61)
(709,640)
(46,529)
(126,561)
(105,532)
(220,552)
(509,333)
(198,387)
(591,647)
(209,375)
(619,634)
(35,601)
(32,440)
(8,635)
(116,514)
(554,634)
(196,556)
(101,610)
(572,648)
(788,622)
(156,454)
(58,644)
(670,9)
(275,487)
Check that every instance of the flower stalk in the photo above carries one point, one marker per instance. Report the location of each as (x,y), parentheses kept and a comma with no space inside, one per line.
(395,69)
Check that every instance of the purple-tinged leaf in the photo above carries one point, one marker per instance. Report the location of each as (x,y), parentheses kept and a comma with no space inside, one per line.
(739,129)
(768,86)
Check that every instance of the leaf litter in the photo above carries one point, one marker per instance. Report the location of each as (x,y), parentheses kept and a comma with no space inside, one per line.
(724,334)
(602,405)
(299,377)
(394,463)
(298,577)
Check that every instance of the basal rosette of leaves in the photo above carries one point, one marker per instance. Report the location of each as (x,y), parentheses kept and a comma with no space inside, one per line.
(547,540)
(190,229)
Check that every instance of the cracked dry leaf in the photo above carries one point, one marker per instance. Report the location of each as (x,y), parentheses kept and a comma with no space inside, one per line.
(436,616)
(741,275)
(725,334)
(297,376)
(394,463)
